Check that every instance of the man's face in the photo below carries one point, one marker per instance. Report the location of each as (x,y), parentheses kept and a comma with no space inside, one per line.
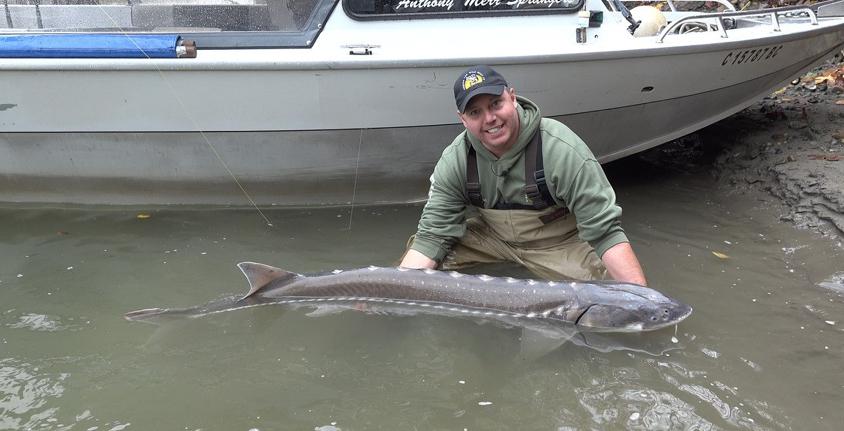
(494,120)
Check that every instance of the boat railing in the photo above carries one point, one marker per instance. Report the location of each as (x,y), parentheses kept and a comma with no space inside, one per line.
(723,17)
(672,3)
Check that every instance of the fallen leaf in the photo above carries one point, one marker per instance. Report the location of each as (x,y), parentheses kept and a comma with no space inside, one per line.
(827,157)
(720,255)
(143,216)
(826,78)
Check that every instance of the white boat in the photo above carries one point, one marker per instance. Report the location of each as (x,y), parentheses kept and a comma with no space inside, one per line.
(321,102)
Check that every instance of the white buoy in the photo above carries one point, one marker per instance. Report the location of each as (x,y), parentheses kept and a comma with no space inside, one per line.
(652,20)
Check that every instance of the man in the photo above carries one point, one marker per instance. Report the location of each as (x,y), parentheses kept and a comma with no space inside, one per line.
(542,197)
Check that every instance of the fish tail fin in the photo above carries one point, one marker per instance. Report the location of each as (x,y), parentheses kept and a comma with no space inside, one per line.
(163,315)
(259,276)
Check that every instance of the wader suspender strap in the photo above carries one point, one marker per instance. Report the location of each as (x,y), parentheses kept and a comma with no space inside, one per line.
(535,188)
(473,183)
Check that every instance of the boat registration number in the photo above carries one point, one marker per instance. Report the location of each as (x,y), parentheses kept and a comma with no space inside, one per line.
(751,55)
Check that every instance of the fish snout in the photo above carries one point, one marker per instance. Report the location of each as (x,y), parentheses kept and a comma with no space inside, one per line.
(613,318)
(667,315)
(677,313)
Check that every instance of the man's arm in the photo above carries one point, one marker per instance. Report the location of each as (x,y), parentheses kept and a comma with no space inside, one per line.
(416,260)
(623,265)
(442,222)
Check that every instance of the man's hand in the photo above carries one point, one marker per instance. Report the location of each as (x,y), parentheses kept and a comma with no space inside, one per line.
(623,265)
(416,260)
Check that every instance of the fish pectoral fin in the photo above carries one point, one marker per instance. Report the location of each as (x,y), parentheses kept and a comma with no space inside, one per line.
(327,310)
(536,343)
(259,275)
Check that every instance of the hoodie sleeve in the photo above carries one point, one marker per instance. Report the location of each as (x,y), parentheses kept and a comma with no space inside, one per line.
(592,200)
(580,182)
(443,218)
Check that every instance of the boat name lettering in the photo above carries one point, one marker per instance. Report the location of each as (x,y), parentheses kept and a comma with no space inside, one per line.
(422,4)
(518,3)
(751,55)
(420,8)
(478,3)
(515,4)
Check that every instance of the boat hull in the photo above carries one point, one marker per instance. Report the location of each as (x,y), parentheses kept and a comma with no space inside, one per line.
(308,168)
(340,134)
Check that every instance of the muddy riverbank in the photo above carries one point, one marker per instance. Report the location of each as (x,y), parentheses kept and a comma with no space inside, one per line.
(790,145)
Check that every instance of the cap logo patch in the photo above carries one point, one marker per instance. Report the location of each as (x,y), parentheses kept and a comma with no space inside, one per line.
(472,79)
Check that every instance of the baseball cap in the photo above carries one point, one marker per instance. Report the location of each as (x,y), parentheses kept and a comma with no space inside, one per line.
(477,80)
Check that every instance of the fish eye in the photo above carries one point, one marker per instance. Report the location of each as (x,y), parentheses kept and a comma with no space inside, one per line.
(653,318)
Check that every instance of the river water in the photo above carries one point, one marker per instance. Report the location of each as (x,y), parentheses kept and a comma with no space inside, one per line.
(763,349)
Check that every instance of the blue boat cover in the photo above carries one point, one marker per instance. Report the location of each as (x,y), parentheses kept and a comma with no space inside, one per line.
(88,45)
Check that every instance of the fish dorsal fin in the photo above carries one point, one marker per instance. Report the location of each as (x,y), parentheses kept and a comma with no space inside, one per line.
(259,275)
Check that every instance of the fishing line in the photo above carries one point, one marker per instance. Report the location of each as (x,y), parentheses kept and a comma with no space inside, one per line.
(355,187)
(185,111)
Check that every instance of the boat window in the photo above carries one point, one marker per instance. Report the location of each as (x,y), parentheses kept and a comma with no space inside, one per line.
(211,23)
(403,9)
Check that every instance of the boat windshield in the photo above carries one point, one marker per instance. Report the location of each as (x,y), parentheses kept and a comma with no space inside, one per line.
(211,23)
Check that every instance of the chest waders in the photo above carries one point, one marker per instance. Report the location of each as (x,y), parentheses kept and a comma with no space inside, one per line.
(541,236)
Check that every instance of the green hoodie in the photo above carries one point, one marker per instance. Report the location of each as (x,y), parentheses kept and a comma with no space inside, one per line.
(575,179)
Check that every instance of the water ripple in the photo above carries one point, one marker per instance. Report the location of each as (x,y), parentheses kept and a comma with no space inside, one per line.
(834,283)
(743,413)
(708,397)
(24,394)
(43,323)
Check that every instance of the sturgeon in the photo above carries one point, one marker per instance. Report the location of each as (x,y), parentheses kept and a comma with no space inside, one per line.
(590,306)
